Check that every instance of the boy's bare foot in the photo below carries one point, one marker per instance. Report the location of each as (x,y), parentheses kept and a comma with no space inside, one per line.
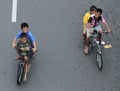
(17,58)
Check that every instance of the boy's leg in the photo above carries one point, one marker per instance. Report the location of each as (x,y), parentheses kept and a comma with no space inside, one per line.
(86,45)
(87,41)
(28,64)
(99,29)
(84,33)
(26,67)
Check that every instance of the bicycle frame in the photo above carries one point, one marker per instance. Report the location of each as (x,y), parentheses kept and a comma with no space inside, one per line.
(95,42)
(22,61)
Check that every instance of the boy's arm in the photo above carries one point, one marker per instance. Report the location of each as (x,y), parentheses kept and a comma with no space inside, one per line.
(107,26)
(15,39)
(33,41)
(35,46)
(85,20)
(88,25)
(14,42)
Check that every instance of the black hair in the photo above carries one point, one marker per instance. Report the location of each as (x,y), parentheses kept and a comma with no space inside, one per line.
(99,10)
(23,25)
(23,35)
(93,8)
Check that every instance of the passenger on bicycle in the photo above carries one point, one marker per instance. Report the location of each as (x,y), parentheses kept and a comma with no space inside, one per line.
(23,48)
(86,17)
(25,29)
(94,24)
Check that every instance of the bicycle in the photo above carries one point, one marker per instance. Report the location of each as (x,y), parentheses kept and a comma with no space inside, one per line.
(22,66)
(94,42)
(21,70)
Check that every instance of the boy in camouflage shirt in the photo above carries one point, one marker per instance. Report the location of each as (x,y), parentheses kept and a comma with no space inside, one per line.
(23,45)
(23,48)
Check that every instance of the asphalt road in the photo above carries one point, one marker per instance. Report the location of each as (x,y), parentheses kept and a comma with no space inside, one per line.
(60,64)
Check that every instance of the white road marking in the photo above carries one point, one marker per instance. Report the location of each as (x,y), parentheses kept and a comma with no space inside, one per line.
(14,11)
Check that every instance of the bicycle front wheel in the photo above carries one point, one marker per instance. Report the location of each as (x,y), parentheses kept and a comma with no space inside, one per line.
(99,61)
(20,73)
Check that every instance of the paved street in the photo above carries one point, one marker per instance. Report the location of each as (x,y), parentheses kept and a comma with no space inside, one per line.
(60,64)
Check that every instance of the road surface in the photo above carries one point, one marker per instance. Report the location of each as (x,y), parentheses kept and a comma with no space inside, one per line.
(61,64)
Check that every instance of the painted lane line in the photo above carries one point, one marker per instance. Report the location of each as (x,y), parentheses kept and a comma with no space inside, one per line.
(14,11)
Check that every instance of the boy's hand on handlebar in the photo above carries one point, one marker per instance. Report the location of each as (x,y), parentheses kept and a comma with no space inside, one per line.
(34,49)
(108,30)
(13,45)
(22,49)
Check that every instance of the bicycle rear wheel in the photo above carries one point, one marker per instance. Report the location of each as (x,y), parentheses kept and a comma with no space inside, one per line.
(90,44)
(20,73)
(99,61)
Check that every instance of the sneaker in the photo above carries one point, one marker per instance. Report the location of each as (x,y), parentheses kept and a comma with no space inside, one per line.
(103,42)
(97,42)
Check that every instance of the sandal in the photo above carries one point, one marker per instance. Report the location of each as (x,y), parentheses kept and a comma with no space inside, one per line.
(86,50)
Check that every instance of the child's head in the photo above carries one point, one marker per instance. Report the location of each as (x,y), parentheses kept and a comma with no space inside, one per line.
(98,13)
(24,38)
(24,27)
(93,9)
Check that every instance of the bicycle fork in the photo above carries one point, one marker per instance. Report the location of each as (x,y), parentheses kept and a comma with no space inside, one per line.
(99,49)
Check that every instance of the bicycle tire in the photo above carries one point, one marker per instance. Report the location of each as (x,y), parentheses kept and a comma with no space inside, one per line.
(90,45)
(20,73)
(99,61)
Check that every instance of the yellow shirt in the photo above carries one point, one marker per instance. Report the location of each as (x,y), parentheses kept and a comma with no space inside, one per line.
(85,19)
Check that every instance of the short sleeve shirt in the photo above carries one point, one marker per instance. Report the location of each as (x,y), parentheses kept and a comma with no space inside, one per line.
(29,36)
(95,22)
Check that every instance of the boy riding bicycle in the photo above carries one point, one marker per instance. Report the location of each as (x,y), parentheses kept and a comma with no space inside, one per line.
(94,24)
(23,48)
(25,29)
